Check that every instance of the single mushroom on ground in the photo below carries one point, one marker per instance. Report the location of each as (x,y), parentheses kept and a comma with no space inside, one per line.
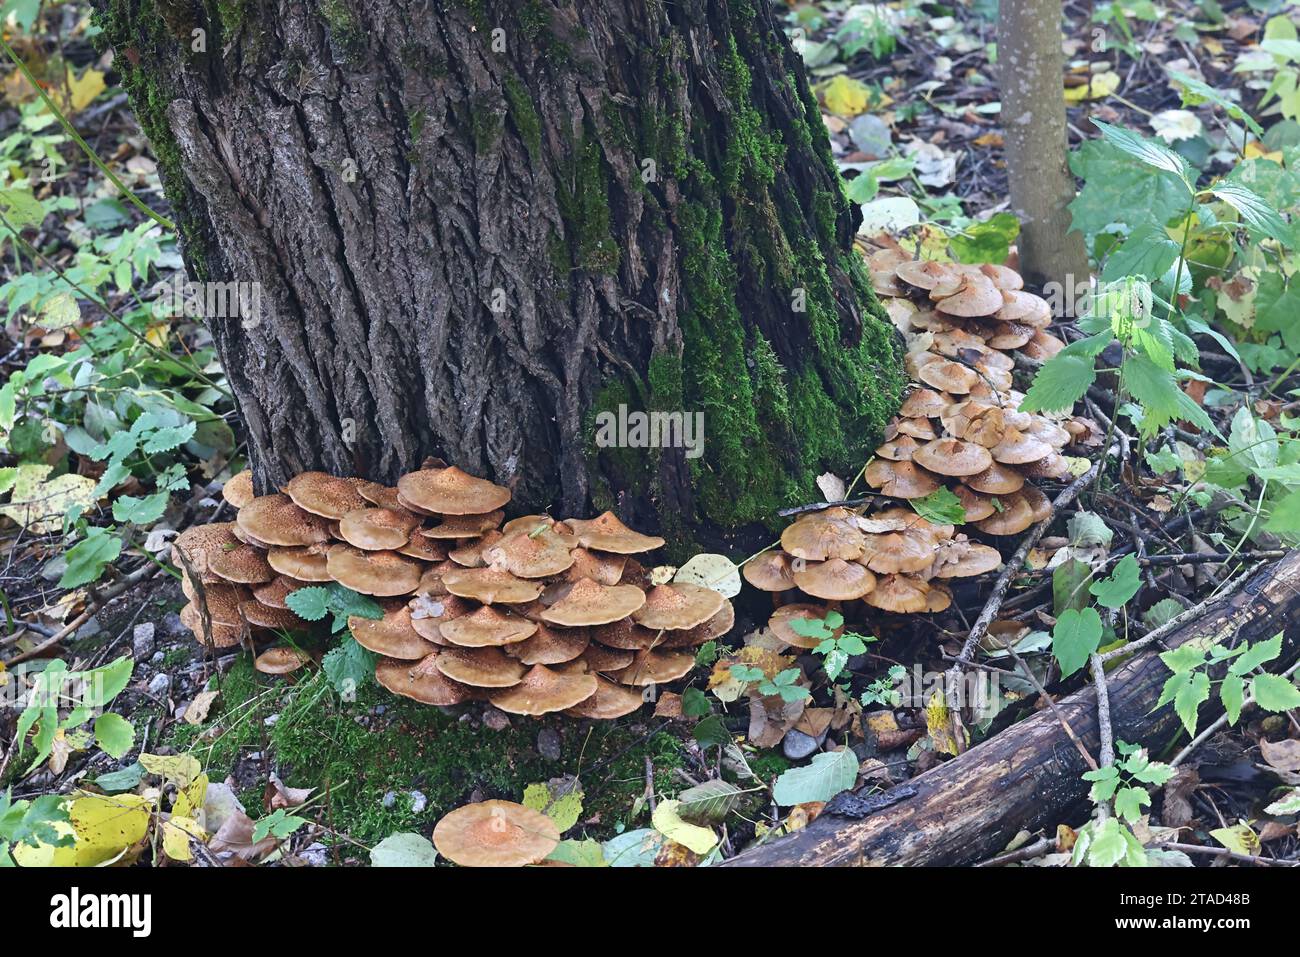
(495,834)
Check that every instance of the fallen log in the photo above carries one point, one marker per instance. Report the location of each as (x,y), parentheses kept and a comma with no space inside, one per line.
(1028,777)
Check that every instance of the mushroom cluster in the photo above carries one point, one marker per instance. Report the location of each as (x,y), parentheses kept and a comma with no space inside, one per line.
(960,427)
(536,615)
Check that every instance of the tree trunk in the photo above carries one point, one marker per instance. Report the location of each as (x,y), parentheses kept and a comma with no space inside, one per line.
(476,225)
(1029,777)
(1030,75)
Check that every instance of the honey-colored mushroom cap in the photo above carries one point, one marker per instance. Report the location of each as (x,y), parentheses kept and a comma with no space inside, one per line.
(543,691)
(451,491)
(267,616)
(281,660)
(243,564)
(589,603)
(276,520)
(487,627)
(769,571)
(373,573)
(607,534)
(238,490)
(779,624)
(953,457)
(422,681)
(678,605)
(199,544)
(480,667)
(832,533)
(654,667)
(538,554)
(1016,516)
(495,834)
(490,586)
(309,563)
(899,479)
(899,593)
(393,636)
(834,580)
(377,529)
(550,645)
(324,494)
(609,701)
(996,480)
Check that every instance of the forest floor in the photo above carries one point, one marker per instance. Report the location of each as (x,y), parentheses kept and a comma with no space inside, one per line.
(911,106)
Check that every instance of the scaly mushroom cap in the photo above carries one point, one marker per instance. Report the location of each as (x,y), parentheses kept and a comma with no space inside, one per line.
(975,504)
(451,491)
(490,586)
(609,702)
(495,834)
(275,592)
(779,624)
(1052,466)
(422,682)
(898,518)
(1024,308)
(974,420)
(281,660)
(898,479)
(953,457)
(1042,346)
(224,615)
(831,533)
(266,616)
(480,667)
(589,603)
(199,544)
(899,593)
(899,449)
(1055,435)
(1016,516)
(1018,448)
(655,667)
(392,636)
(996,480)
(922,429)
(487,627)
(893,552)
(238,490)
(378,529)
(600,568)
(715,627)
(606,533)
(243,564)
(627,635)
(276,520)
(1002,277)
(538,554)
(927,274)
(373,573)
(958,343)
(377,494)
(538,524)
(308,563)
(678,605)
(961,558)
(543,691)
(1010,335)
(948,376)
(470,554)
(1039,504)
(324,494)
(464,526)
(598,658)
(834,580)
(424,549)
(550,645)
(431,579)
(976,296)
(428,615)
(769,571)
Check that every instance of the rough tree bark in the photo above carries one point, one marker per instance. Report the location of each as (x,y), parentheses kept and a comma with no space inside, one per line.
(1029,776)
(1030,71)
(478,223)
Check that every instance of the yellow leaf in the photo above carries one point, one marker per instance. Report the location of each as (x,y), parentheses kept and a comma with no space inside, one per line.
(176,834)
(77,92)
(845,96)
(1102,86)
(669,823)
(40,505)
(189,800)
(1256,150)
(1240,839)
(181,769)
(104,828)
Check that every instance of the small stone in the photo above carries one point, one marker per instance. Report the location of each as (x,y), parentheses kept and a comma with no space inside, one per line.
(142,640)
(418,802)
(548,744)
(179,712)
(161,683)
(496,719)
(314,855)
(380,709)
(172,626)
(796,745)
(156,658)
(89,630)
(390,798)
(271,720)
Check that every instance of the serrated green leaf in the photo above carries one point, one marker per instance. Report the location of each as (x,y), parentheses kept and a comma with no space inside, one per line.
(1232,693)
(827,775)
(1193,692)
(709,803)
(1274,693)
(1061,382)
(940,507)
(1260,653)
(309,604)
(1076,635)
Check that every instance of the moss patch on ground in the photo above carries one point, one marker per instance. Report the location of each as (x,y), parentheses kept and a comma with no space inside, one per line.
(318,741)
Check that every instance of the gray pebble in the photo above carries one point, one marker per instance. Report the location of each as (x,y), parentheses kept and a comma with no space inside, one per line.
(390,798)
(171,624)
(142,640)
(160,684)
(796,745)
(548,744)
(418,802)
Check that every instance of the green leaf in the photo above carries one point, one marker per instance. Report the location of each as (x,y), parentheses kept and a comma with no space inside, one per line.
(668,822)
(278,824)
(584,853)
(1162,401)
(695,703)
(114,734)
(1070,582)
(166,439)
(348,666)
(404,850)
(636,848)
(1289,803)
(117,782)
(1284,519)
(310,604)
(711,731)
(1261,652)
(940,507)
(140,511)
(1194,92)
(1077,635)
(1108,846)
(1059,384)
(1123,583)
(1274,693)
(1129,803)
(345,602)
(1119,189)
(1194,691)
(710,802)
(87,559)
(1146,151)
(827,775)
(1162,612)
(1149,251)
(1232,692)
(986,242)
(1257,215)
(21,208)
